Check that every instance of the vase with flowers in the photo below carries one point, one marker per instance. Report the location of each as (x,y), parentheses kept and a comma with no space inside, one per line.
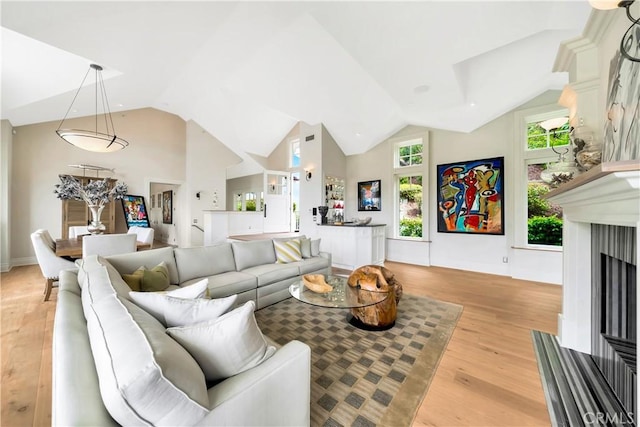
(96,194)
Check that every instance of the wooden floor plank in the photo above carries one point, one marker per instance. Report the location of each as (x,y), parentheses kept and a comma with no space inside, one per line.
(488,375)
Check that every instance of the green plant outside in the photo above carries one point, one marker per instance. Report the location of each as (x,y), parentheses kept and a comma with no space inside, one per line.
(411,193)
(545,230)
(537,206)
(250,205)
(411,227)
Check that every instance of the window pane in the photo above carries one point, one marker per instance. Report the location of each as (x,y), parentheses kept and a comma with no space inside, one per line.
(544,219)
(410,203)
(417,160)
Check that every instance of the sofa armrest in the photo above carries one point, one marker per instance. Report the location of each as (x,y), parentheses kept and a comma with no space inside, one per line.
(275,393)
(76,398)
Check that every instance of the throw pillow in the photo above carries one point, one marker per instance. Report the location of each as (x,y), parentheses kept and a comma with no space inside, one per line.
(226,346)
(156,279)
(182,312)
(315,247)
(173,309)
(134,280)
(197,290)
(287,251)
(305,248)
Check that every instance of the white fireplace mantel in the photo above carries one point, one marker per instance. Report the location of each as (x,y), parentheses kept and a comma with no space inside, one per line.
(607,194)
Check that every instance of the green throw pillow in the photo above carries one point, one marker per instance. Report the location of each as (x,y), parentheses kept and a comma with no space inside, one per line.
(134,280)
(156,279)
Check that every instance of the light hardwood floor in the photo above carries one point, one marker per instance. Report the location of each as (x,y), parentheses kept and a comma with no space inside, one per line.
(487,377)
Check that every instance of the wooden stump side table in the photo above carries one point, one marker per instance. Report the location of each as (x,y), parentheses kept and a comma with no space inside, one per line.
(370,280)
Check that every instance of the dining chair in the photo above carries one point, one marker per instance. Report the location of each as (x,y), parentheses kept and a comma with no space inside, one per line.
(50,264)
(78,230)
(144,234)
(108,244)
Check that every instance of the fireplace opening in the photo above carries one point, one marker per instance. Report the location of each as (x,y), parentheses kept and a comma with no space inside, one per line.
(618,307)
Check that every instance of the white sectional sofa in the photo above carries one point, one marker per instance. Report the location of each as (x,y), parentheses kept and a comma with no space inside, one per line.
(114,363)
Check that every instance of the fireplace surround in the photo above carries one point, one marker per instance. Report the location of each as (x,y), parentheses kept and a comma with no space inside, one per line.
(607,195)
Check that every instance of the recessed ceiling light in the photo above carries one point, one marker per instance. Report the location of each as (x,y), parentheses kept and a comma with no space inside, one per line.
(120,105)
(358,134)
(421,89)
(472,104)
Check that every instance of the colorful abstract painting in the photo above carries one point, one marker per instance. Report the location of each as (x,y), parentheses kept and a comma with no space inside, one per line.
(471,197)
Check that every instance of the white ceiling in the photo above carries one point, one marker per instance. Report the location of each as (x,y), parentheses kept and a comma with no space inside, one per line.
(247,72)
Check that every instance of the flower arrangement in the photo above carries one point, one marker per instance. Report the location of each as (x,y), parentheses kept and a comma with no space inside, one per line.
(95,193)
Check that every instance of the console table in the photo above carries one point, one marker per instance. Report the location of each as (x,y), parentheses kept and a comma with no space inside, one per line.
(73,247)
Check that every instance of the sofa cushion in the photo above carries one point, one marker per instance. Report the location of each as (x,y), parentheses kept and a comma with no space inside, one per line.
(311,265)
(250,254)
(204,261)
(225,284)
(152,302)
(287,251)
(128,263)
(315,247)
(227,345)
(305,247)
(271,273)
(172,311)
(96,268)
(145,376)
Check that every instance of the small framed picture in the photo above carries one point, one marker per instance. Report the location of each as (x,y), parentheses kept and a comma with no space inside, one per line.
(159,199)
(369,197)
(153,201)
(167,207)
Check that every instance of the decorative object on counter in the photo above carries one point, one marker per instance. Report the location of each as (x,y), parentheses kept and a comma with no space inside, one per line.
(363,220)
(621,140)
(323,210)
(96,194)
(93,139)
(316,283)
(587,151)
(470,197)
(560,172)
(369,196)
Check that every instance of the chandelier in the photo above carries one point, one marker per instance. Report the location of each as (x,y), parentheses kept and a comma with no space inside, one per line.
(103,140)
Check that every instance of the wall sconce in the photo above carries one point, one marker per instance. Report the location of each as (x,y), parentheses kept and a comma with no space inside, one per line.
(198,195)
(629,39)
(307,174)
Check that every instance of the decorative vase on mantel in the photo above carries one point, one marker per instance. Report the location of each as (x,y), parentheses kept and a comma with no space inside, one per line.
(96,226)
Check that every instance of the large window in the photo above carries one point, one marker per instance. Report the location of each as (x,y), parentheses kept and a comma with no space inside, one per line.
(410,185)
(410,206)
(294,158)
(546,149)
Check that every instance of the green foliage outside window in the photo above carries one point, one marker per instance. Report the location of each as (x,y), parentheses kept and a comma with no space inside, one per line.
(409,155)
(250,205)
(538,137)
(537,206)
(545,230)
(411,227)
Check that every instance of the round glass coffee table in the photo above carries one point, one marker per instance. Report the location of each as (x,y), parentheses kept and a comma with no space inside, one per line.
(342,296)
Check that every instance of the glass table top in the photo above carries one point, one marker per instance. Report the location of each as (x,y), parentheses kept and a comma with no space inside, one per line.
(342,295)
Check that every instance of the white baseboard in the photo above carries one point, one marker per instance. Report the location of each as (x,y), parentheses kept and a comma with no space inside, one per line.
(16,262)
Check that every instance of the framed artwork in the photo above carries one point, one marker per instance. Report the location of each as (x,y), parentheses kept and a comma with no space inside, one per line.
(159,200)
(369,196)
(471,197)
(153,201)
(135,211)
(167,207)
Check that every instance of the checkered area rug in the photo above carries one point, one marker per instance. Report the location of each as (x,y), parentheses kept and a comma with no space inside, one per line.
(365,378)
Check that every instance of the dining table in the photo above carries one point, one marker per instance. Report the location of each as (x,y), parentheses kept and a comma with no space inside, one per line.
(73,247)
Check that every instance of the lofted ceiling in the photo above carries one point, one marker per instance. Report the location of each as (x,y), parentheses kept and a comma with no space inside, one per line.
(247,72)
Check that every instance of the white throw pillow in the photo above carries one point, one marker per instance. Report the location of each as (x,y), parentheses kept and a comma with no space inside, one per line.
(315,247)
(182,312)
(226,346)
(182,306)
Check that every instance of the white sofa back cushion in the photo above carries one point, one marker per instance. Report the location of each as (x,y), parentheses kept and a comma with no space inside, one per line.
(250,254)
(146,378)
(204,261)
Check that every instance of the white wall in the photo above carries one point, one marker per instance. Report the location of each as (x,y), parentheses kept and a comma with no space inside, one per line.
(207,160)
(312,191)
(156,152)
(6,142)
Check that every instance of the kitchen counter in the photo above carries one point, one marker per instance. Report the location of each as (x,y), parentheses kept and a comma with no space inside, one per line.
(352,245)
(352,224)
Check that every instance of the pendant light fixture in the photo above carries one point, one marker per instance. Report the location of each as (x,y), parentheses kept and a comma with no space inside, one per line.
(630,43)
(103,140)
